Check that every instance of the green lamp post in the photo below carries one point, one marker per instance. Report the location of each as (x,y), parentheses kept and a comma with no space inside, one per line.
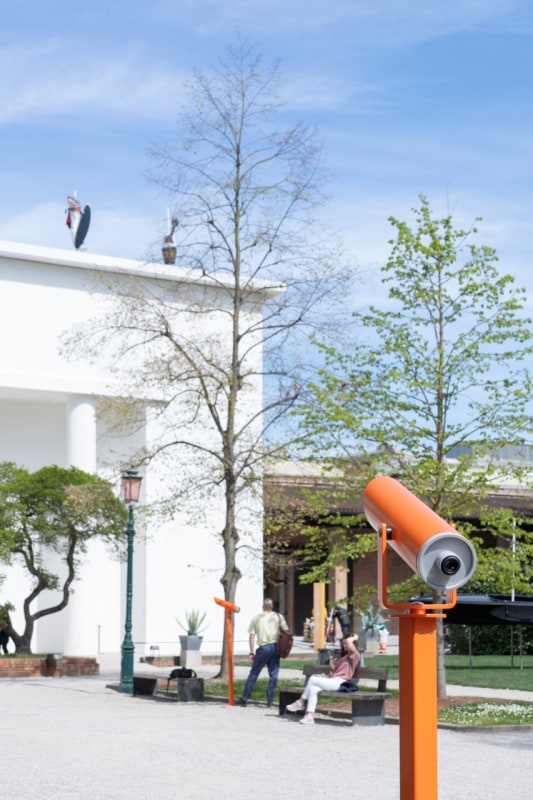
(131,487)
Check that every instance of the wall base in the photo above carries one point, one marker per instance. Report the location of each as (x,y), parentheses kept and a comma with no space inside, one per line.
(49,666)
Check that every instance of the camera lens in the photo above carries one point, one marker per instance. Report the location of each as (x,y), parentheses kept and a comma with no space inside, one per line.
(450,565)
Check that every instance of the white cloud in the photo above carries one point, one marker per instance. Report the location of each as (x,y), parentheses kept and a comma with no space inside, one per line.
(389,22)
(125,73)
(51,81)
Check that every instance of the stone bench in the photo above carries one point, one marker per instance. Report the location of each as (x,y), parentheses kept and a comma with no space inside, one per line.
(367,707)
(187,689)
(144,685)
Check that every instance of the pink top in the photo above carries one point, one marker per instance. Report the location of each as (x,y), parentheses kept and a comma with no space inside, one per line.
(346,666)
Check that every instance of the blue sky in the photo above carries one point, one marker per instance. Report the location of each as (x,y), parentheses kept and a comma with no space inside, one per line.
(409,96)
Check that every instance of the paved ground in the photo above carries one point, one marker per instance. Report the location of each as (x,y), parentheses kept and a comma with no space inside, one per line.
(76,739)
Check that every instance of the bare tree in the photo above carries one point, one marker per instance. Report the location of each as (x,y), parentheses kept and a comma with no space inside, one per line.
(244,195)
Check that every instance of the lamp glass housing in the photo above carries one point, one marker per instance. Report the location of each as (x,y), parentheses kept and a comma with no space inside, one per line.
(131,486)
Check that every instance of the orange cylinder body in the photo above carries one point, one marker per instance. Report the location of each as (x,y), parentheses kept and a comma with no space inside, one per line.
(386,501)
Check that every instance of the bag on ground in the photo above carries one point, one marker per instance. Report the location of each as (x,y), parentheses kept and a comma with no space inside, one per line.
(182,672)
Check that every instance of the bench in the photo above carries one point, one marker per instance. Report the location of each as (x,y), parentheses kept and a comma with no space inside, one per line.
(144,685)
(368,707)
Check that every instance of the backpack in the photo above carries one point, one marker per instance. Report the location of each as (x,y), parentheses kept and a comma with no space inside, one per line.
(182,672)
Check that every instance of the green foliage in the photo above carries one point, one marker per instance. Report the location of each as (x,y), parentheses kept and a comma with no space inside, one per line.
(491,639)
(324,535)
(59,510)
(435,381)
(438,369)
(52,503)
(509,564)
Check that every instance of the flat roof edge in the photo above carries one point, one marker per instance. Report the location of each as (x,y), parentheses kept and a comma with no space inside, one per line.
(40,254)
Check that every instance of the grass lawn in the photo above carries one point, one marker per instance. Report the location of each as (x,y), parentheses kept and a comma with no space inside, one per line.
(493,672)
(220,688)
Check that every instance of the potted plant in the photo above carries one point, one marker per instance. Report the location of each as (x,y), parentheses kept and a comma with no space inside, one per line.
(194,626)
(372,625)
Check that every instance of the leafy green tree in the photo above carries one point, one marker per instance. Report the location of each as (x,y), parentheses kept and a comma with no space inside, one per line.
(435,383)
(52,510)
(507,566)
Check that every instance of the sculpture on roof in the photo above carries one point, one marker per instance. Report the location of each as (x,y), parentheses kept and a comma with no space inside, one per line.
(78,220)
(169,245)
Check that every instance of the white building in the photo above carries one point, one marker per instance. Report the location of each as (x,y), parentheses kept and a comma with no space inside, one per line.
(52,412)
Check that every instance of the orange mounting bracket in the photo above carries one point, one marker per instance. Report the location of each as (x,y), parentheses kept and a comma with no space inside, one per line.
(384,534)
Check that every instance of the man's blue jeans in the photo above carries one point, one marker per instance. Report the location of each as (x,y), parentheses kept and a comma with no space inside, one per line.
(266,655)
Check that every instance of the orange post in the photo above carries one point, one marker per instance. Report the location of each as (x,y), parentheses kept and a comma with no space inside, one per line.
(229,608)
(319,615)
(418,686)
(445,560)
(229,645)
(418,705)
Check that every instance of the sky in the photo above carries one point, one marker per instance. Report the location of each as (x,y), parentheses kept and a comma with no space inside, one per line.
(409,96)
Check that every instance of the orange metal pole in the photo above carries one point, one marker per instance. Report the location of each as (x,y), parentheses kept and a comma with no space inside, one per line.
(418,685)
(229,609)
(426,543)
(229,646)
(418,705)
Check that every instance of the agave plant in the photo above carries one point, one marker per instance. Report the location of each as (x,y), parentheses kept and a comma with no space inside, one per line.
(193,622)
(373,619)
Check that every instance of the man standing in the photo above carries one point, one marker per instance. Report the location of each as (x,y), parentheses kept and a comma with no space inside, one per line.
(265,627)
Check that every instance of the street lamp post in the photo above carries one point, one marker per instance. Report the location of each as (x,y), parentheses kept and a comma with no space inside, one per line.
(131,487)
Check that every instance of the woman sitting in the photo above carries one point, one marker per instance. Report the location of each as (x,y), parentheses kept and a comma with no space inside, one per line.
(341,670)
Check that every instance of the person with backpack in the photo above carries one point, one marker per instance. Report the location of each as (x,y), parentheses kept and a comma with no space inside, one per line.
(264,628)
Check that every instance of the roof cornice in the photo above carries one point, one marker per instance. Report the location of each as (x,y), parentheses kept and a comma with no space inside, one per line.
(93,262)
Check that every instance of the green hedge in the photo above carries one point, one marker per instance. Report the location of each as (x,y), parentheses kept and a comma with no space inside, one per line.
(491,639)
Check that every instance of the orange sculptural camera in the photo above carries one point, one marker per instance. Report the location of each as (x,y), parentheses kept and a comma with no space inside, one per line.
(430,546)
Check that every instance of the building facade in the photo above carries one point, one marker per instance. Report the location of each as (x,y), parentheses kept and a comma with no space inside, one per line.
(60,405)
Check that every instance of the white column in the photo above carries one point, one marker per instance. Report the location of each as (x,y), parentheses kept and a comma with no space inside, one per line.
(82,615)
(81,433)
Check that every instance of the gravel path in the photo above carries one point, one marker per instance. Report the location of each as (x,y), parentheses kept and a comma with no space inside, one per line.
(77,739)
